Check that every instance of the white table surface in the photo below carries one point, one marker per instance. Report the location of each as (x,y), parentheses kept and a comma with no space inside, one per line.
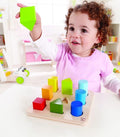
(104,117)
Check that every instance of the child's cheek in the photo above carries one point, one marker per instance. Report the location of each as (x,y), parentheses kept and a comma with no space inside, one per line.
(68,38)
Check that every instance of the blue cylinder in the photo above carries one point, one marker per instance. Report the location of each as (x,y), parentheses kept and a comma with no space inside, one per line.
(76,108)
(80,95)
(83,84)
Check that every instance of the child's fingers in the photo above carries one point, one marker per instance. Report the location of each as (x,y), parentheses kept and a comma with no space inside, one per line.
(21,5)
(17,15)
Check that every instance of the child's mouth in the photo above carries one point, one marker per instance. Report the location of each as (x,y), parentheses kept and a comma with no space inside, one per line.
(75,43)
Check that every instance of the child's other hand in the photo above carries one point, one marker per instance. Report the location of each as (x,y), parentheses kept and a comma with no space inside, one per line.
(37,31)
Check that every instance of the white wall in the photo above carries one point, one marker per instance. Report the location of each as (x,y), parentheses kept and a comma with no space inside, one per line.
(114,5)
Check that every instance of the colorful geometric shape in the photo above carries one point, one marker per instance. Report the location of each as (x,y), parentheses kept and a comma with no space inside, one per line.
(67,86)
(76,108)
(80,95)
(47,92)
(56,106)
(53,81)
(28,17)
(83,84)
(39,103)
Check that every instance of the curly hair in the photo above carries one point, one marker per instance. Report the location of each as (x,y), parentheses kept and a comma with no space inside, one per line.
(96,11)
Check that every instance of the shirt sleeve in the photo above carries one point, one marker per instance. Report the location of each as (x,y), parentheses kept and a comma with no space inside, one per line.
(107,66)
(112,83)
(46,47)
(110,80)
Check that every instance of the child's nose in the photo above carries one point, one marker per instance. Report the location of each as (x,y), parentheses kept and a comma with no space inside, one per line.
(76,34)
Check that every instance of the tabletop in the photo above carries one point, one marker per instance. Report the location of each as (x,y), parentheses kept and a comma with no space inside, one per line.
(14,122)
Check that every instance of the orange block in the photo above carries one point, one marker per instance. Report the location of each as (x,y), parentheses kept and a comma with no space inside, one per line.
(47,92)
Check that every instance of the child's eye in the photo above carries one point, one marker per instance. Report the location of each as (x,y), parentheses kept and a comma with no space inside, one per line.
(71,28)
(84,30)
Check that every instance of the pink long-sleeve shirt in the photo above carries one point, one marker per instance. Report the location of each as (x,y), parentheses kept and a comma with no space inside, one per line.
(95,68)
(92,68)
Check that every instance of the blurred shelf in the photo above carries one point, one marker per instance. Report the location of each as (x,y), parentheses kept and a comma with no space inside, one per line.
(2,46)
(36,63)
(1,20)
(112,43)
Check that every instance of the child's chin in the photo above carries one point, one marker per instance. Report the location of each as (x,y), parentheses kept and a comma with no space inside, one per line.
(75,52)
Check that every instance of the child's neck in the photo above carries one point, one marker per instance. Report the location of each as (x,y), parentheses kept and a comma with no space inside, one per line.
(86,54)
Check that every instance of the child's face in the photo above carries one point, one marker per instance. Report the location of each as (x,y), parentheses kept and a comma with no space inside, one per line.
(82,34)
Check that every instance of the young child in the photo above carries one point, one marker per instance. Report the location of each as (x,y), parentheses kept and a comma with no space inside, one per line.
(87,27)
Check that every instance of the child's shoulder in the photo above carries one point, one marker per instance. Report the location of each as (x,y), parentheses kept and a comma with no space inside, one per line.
(101,55)
(63,46)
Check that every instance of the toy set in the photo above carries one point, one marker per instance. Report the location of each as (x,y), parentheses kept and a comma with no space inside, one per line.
(110,54)
(33,57)
(115,70)
(64,105)
(1,58)
(112,39)
(0,14)
(31,54)
(10,75)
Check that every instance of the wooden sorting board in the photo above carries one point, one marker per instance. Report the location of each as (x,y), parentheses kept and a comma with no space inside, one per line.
(66,116)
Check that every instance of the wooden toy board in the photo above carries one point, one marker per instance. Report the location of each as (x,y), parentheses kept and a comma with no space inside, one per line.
(66,116)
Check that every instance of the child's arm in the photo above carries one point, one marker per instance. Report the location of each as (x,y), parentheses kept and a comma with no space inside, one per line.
(45,47)
(37,30)
(112,82)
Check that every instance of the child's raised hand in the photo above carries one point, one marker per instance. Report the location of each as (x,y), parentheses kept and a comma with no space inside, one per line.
(37,31)
(21,6)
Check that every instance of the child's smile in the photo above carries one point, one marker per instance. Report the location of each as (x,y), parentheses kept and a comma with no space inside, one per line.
(75,43)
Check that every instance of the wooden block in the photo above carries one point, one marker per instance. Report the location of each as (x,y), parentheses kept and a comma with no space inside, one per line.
(28,17)
(56,106)
(67,86)
(47,92)
(83,84)
(39,103)
(53,81)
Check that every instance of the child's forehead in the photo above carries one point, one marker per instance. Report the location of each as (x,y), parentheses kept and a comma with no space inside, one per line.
(79,14)
(81,18)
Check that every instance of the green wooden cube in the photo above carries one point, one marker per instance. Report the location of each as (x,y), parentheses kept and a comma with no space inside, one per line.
(28,17)
(67,86)
(53,81)
(56,106)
